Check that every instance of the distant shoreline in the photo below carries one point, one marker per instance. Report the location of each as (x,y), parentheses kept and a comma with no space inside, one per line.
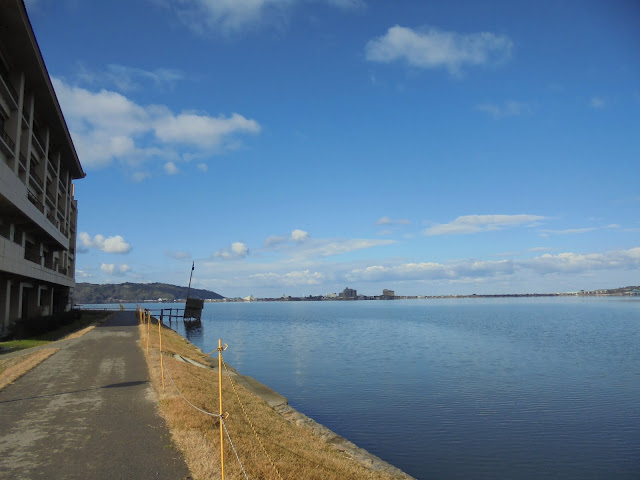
(363,298)
(105,294)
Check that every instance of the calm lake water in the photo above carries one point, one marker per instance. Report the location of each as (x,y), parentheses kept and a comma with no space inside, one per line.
(454,388)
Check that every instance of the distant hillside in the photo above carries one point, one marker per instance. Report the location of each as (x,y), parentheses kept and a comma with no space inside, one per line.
(135,292)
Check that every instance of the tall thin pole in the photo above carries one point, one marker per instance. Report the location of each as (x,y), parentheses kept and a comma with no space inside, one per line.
(148,329)
(193,266)
(161,361)
(220,392)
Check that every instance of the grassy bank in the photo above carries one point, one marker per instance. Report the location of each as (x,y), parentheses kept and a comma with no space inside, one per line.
(269,445)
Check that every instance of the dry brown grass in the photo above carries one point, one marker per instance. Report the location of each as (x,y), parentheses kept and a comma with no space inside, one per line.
(13,368)
(297,452)
(79,333)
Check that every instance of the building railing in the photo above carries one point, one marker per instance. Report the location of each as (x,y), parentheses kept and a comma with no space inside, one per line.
(52,218)
(50,169)
(32,255)
(38,144)
(10,145)
(50,199)
(48,262)
(23,161)
(34,199)
(10,90)
(36,181)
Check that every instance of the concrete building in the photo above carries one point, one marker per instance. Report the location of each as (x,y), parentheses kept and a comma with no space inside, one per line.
(349,294)
(38,164)
(386,293)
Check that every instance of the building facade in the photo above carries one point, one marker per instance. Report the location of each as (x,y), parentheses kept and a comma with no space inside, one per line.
(349,294)
(38,164)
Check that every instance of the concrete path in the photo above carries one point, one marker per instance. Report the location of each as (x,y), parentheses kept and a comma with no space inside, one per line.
(88,412)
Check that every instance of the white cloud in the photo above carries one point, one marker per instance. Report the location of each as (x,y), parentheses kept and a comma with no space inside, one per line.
(323,248)
(202,130)
(237,250)
(580,263)
(347,3)
(107,126)
(539,249)
(390,221)
(126,78)
(575,231)
(115,244)
(435,48)
(273,240)
(83,274)
(178,255)
(295,278)
(232,16)
(509,109)
(171,168)
(545,264)
(203,167)
(299,235)
(140,176)
(432,271)
(226,15)
(597,103)
(300,247)
(481,223)
(112,269)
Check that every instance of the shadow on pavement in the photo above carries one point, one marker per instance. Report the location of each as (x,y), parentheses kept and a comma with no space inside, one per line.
(113,385)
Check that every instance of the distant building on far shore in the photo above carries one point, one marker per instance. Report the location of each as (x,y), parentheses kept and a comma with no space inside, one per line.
(388,293)
(349,294)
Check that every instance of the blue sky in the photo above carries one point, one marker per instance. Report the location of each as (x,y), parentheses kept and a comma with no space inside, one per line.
(302,146)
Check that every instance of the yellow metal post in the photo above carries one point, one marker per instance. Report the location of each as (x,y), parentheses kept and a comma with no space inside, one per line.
(161,362)
(220,392)
(148,330)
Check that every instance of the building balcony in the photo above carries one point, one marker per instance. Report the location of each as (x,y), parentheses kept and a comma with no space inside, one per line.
(33,255)
(33,198)
(15,262)
(62,187)
(50,170)
(9,93)
(6,144)
(38,144)
(35,182)
(50,200)
(23,162)
(52,218)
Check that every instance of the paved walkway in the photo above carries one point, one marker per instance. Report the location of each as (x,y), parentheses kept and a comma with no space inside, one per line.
(88,412)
